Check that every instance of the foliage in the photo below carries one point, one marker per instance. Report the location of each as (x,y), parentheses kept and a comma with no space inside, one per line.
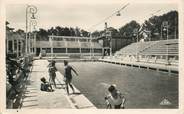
(128,31)
(154,25)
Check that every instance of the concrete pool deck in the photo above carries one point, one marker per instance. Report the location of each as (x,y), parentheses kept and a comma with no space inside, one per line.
(33,98)
(152,66)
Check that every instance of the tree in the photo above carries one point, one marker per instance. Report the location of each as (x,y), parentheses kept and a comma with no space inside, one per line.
(42,34)
(20,31)
(66,31)
(52,31)
(8,29)
(59,30)
(77,32)
(114,32)
(154,24)
(95,34)
(84,33)
(72,31)
(128,30)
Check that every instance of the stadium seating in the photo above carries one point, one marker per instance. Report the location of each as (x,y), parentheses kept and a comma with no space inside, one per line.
(164,47)
(163,51)
(135,48)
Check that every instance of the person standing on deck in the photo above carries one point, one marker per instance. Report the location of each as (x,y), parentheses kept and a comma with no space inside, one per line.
(52,73)
(68,76)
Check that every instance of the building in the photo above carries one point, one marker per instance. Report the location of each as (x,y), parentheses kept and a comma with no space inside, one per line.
(68,46)
(112,42)
(15,44)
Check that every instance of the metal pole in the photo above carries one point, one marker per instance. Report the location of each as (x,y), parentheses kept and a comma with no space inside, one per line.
(161,32)
(175,27)
(167,45)
(29,39)
(90,48)
(137,47)
(32,10)
(93,47)
(35,44)
(52,45)
(26,30)
(110,44)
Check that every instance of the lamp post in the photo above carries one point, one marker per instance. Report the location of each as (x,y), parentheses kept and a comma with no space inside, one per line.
(108,36)
(30,11)
(136,34)
(166,28)
(91,47)
(33,42)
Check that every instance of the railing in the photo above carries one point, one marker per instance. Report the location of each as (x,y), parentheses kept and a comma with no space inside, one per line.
(16,79)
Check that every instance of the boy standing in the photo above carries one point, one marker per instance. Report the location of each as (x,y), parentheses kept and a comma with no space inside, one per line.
(52,73)
(68,76)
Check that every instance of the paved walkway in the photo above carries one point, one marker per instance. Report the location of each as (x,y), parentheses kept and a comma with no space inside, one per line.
(34,98)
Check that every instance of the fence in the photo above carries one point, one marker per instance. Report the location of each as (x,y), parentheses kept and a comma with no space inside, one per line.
(15,87)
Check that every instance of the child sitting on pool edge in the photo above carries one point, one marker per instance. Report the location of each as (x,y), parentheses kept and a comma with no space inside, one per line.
(45,86)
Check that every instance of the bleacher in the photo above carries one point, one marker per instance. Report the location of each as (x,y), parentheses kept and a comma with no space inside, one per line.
(165,47)
(135,48)
(163,51)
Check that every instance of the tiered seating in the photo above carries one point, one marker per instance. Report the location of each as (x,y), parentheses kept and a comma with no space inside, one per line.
(163,52)
(163,47)
(135,48)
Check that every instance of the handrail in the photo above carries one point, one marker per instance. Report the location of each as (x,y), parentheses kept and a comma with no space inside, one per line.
(14,93)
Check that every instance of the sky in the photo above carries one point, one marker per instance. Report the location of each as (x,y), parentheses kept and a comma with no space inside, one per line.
(84,14)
